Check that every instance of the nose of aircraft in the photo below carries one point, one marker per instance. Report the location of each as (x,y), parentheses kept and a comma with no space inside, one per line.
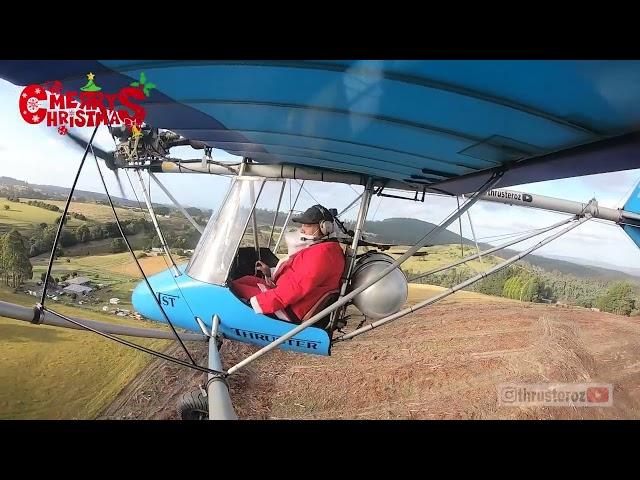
(143,302)
(167,293)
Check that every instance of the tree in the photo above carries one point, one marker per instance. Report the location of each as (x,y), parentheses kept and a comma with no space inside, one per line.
(83,234)
(14,260)
(130,228)
(117,245)
(96,232)
(48,236)
(160,210)
(532,290)
(495,284)
(143,225)
(110,229)
(180,242)
(68,238)
(620,298)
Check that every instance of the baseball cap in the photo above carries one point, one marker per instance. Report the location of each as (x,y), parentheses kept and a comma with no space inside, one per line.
(314,214)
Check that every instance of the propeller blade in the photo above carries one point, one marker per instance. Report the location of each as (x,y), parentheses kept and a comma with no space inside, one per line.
(195,144)
(108,157)
(198,145)
(122,194)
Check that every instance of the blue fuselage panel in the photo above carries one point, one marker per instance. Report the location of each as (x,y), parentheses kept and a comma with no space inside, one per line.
(183,298)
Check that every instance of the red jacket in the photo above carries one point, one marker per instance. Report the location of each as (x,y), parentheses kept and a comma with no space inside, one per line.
(304,278)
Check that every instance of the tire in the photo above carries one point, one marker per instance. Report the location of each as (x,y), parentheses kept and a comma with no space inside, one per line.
(193,406)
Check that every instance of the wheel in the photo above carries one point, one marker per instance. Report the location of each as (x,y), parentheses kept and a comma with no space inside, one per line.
(193,406)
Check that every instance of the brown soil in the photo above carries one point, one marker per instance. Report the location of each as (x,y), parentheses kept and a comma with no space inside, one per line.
(443,362)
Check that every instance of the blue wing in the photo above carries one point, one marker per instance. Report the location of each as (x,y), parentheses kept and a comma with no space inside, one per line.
(445,124)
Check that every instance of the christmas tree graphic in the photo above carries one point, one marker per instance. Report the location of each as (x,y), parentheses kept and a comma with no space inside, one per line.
(91,86)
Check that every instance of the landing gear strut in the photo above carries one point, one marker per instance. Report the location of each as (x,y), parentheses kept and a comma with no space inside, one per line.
(194,405)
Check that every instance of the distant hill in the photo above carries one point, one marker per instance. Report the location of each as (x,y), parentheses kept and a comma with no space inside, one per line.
(406,231)
(594,262)
(571,268)
(402,231)
(10,186)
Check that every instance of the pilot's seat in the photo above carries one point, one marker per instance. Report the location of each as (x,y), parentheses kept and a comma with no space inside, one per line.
(327,299)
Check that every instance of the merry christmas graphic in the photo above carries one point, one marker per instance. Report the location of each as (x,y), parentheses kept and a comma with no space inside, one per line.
(88,107)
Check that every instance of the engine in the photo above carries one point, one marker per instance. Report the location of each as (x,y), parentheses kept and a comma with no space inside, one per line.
(386,296)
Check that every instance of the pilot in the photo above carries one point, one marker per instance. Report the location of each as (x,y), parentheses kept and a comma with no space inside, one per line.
(312,269)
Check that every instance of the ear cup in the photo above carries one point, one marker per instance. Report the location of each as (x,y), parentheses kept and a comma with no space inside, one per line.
(326,226)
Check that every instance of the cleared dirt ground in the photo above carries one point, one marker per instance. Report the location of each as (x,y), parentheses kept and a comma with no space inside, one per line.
(444,362)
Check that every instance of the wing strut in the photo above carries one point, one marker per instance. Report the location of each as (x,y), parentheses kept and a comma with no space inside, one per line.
(152,214)
(462,285)
(176,203)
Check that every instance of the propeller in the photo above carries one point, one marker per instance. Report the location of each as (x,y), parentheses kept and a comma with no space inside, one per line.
(108,157)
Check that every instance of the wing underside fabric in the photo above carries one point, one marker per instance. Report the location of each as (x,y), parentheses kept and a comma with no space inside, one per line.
(442,124)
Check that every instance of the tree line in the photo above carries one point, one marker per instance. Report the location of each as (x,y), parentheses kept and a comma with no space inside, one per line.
(533,284)
(46,206)
(42,238)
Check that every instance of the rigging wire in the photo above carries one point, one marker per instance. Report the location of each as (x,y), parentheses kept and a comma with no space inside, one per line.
(136,346)
(43,308)
(307,192)
(376,212)
(63,219)
(126,240)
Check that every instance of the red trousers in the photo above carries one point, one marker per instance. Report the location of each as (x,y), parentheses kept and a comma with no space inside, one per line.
(247,286)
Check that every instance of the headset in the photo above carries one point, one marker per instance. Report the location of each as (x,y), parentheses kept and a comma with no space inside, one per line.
(326,226)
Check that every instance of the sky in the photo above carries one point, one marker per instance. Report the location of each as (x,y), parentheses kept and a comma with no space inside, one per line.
(38,154)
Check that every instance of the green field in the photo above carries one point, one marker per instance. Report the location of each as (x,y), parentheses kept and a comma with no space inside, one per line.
(103,213)
(138,241)
(26,217)
(55,373)
(93,211)
(441,255)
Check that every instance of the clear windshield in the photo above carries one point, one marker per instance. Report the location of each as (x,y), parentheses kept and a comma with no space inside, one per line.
(218,245)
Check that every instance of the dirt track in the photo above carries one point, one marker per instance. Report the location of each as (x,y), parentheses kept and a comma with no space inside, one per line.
(444,362)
